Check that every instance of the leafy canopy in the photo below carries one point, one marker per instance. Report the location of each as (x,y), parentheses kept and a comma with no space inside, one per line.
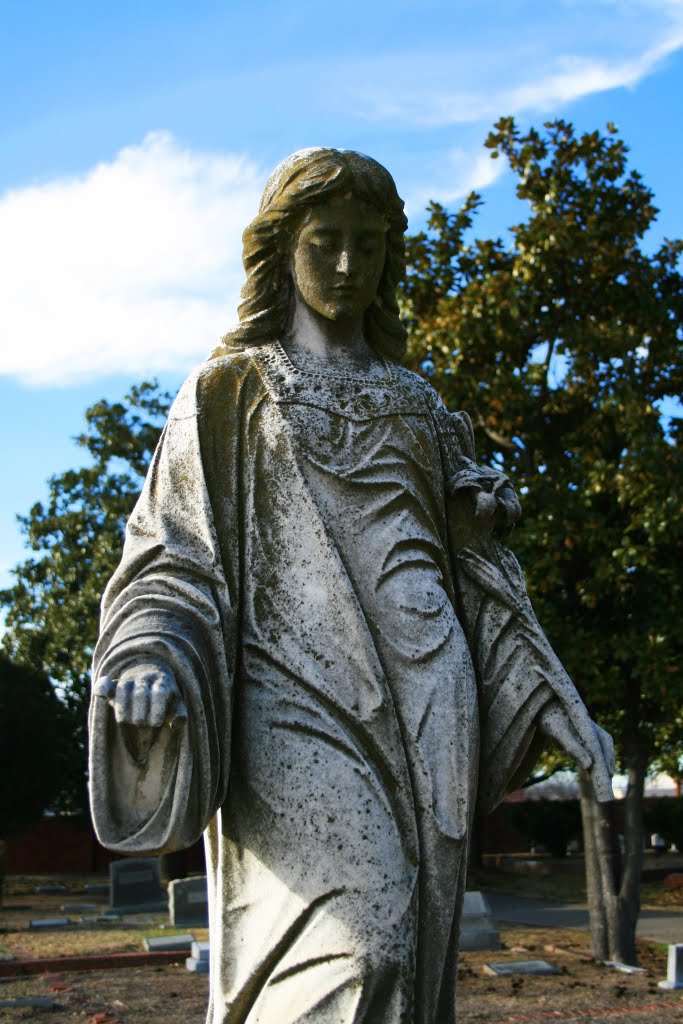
(564,344)
(77,536)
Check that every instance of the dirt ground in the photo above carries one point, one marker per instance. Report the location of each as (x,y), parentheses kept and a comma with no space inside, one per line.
(583,991)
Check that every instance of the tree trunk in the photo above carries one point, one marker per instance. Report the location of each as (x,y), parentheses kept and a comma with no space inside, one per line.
(613,880)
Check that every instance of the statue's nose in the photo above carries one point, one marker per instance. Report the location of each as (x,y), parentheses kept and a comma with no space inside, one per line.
(344,262)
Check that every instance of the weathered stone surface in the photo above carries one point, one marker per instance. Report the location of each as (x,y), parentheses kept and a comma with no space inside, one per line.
(135,886)
(281,662)
(188,902)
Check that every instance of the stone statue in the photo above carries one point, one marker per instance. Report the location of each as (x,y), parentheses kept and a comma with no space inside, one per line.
(316,650)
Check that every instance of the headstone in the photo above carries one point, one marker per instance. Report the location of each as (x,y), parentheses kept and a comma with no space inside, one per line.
(50,922)
(189,902)
(506,968)
(78,907)
(477,930)
(674,968)
(135,886)
(47,889)
(102,887)
(169,943)
(199,961)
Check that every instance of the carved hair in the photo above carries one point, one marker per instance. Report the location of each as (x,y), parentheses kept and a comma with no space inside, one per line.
(306,179)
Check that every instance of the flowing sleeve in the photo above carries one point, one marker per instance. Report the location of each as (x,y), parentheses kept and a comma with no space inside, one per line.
(517,671)
(168,601)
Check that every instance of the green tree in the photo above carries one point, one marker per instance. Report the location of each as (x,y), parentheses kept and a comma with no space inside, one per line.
(76,536)
(562,343)
(31,718)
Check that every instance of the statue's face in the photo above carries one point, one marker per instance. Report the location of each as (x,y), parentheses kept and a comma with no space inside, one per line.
(338,257)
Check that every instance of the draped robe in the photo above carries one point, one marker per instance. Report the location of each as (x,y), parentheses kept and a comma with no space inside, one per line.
(350,681)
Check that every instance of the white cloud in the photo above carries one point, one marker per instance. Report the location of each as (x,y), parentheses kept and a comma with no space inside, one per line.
(136,265)
(575,77)
(462,172)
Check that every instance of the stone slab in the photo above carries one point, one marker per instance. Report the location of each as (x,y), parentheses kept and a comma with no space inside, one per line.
(197,966)
(617,965)
(36,1002)
(509,967)
(78,907)
(89,962)
(162,943)
(50,922)
(48,889)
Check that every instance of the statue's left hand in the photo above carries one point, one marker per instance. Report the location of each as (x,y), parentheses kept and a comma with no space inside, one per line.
(589,745)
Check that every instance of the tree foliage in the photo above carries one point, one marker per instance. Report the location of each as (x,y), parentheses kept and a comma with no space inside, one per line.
(563,341)
(32,720)
(76,536)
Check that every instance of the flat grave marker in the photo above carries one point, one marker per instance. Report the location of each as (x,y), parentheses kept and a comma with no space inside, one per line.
(50,922)
(508,967)
(169,943)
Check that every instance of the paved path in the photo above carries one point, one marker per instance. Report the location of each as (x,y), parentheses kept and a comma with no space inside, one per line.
(660,925)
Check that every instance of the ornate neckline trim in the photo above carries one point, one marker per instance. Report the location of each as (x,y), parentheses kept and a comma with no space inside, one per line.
(363,378)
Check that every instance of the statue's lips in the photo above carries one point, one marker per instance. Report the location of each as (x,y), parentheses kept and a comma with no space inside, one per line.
(345,289)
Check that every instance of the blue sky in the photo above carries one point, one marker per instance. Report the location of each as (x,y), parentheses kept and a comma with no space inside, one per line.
(137,138)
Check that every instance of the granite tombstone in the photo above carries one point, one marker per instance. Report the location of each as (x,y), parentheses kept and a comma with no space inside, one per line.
(317,649)
(135,886)
(188,902)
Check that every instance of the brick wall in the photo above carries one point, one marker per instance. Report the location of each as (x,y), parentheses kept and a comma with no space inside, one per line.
(67,845)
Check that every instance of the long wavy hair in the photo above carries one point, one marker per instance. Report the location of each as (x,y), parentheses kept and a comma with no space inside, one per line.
(306,179)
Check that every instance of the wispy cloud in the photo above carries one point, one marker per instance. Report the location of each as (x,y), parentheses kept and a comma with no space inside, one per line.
(462,172)
(136,265)
(529,74)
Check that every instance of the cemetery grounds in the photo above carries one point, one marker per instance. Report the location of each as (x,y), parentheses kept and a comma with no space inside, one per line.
(167,993)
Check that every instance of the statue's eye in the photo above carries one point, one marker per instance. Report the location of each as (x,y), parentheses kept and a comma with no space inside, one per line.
(324,242)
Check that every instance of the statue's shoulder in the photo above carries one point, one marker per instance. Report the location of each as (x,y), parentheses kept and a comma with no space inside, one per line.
(454,428)
(420,386)
(216,381)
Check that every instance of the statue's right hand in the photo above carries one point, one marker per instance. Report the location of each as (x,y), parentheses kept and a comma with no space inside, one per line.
(144,698)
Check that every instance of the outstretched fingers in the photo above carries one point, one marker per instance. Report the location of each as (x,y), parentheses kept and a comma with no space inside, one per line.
(570,726)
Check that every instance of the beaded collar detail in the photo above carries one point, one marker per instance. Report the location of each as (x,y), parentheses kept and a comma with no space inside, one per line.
(351,395)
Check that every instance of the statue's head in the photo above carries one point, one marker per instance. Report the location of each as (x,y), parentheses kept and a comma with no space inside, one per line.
(303,182)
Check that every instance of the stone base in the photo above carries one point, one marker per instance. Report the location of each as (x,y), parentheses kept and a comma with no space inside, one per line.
(197,966)
(477,939)
(477,931)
